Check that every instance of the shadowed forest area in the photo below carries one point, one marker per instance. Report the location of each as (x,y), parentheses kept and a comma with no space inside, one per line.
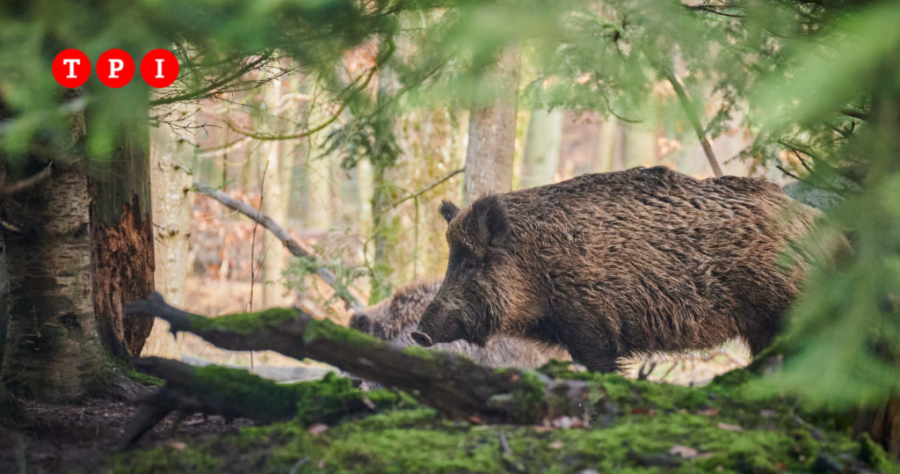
(453,237)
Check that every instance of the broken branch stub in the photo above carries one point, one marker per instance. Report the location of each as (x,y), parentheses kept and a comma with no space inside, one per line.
(452,384)
(296,248)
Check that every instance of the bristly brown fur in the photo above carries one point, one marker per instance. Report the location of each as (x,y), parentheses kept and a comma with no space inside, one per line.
(396,317)
(613,264)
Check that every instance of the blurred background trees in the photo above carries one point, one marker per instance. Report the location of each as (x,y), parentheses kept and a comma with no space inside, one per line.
(349,121)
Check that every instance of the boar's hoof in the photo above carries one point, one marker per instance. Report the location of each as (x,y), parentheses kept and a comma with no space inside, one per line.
(422,339)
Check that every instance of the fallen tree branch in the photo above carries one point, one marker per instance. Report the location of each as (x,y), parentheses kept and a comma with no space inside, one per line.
(296,248)
(694,118)
(235,393)
(452,384)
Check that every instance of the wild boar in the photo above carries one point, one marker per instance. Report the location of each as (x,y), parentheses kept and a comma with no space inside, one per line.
(612,265)
(396,317)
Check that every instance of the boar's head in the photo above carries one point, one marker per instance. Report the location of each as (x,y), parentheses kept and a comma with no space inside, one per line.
(361,321)
(472,297)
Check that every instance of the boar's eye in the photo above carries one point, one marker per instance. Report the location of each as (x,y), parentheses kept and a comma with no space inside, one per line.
(469,264)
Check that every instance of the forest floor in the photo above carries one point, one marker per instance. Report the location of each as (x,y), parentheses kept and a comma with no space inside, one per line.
(80,438)
(635,427)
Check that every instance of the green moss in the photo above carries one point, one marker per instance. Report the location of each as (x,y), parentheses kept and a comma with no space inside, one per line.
(126,369)
(327,400)
(232,387)
(327,329)
(420,352)
(729,432)
(246,323)
(530,396)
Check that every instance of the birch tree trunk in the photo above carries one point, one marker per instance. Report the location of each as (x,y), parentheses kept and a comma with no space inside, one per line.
(542,147)
(53,351)
(492,134)
(172,161)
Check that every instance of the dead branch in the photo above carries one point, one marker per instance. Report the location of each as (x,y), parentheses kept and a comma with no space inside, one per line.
(25,184)
(296,248)
(452,384)
(227,392)
(694,118)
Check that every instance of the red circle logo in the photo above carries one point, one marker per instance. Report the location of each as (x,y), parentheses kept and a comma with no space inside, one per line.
(159,68)
(71,68)
(115,68)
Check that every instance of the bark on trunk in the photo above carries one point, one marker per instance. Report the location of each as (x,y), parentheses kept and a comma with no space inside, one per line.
(542,147)
(171,162)
(4,309)
(492,135)
(123,261)
(53,351)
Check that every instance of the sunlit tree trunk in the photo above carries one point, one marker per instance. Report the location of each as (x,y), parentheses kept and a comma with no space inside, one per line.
(172,160)
(276,196)
(317,170)
(606,146)
(365,194)
(542,145)
(640,146)
(383,158)
(492,134)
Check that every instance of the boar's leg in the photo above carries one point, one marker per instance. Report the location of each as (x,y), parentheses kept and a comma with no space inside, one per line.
(594,358)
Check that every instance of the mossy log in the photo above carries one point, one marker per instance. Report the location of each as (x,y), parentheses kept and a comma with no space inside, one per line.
(236,393)
(452,384)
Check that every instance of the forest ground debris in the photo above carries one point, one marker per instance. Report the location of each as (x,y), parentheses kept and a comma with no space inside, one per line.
(653,426)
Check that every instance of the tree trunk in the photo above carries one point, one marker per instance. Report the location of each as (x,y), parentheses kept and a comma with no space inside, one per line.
(7,403)
(640,146)
(384,156)
(275,198)
(122,238)
(542,147)
(171,162)
(318,170)
(606,147)
(53,351)
(492,135)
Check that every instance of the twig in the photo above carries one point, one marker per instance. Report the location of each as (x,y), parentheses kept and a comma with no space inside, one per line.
(26,183)
(292,245)
(428,188)
(857,114)
(262,194)
(308,132)
(694,118)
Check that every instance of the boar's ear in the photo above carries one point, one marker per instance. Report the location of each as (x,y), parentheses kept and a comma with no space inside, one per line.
(361,322)
(449,210)
(493,225)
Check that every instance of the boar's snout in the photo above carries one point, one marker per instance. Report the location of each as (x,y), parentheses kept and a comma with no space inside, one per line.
(422,339)
(436,328)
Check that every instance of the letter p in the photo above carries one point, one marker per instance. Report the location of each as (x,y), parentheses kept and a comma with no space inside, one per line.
(115,65)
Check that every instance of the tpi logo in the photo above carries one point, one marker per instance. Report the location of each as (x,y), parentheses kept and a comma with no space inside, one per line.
(115,68)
